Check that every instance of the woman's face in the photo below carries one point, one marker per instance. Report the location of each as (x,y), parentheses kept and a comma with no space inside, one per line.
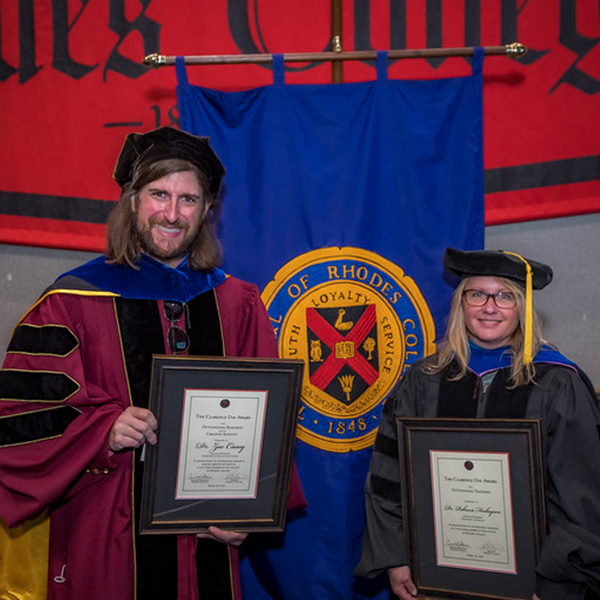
(488,325)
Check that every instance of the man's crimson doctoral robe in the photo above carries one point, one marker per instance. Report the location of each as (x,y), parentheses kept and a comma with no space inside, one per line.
(77,359)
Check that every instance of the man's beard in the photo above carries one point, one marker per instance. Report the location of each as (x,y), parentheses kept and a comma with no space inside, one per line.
(146,242)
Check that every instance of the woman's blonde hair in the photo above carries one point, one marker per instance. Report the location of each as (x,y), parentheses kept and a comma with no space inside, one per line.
(455,345)
(122,242)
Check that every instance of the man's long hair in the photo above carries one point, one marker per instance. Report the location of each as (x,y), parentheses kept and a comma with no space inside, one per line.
(455,345)
(205,252)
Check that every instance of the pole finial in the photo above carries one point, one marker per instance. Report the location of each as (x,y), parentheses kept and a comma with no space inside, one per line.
(155,60)
(515,50)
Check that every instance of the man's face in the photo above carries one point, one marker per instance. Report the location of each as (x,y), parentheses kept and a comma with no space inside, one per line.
(167,216)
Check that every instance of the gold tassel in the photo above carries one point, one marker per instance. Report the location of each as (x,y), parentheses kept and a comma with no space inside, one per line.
(528,350)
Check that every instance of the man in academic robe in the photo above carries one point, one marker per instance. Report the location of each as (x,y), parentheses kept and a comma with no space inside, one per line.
(74,389)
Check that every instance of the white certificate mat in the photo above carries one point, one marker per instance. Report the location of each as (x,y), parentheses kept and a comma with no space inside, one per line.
(221,443)
(473,510)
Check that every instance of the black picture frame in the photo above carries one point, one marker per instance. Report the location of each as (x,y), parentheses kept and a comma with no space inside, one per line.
(421,442)
(181,382)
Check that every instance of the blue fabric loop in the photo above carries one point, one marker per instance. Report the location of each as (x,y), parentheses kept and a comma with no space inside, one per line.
(477,63)
(180,70)
(278,69)
(382,65)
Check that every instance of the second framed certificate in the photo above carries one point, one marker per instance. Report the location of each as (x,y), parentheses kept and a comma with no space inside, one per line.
(473,506)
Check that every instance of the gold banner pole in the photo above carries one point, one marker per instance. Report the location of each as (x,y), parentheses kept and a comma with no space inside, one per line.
(515,50)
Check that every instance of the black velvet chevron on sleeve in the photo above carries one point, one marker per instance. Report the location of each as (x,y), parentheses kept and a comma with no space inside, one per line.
(54,340)
(36,385)
(385,488)
(386,445)
(36,425)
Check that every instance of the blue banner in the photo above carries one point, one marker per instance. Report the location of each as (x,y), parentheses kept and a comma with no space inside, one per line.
(339,201)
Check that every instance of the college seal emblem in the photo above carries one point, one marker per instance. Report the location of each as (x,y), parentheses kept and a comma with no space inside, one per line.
(358,322)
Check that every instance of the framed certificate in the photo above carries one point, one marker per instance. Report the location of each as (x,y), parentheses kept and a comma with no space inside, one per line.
(473,506)
(226,430)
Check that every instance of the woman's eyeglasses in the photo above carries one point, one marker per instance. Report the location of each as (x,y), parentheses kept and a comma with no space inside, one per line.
(480,298)
(177,338)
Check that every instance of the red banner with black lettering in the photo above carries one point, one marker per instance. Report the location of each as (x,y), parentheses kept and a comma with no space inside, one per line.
(73,85)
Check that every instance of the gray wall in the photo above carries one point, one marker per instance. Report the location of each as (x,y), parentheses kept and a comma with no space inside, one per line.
(569,306)
(24,273)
